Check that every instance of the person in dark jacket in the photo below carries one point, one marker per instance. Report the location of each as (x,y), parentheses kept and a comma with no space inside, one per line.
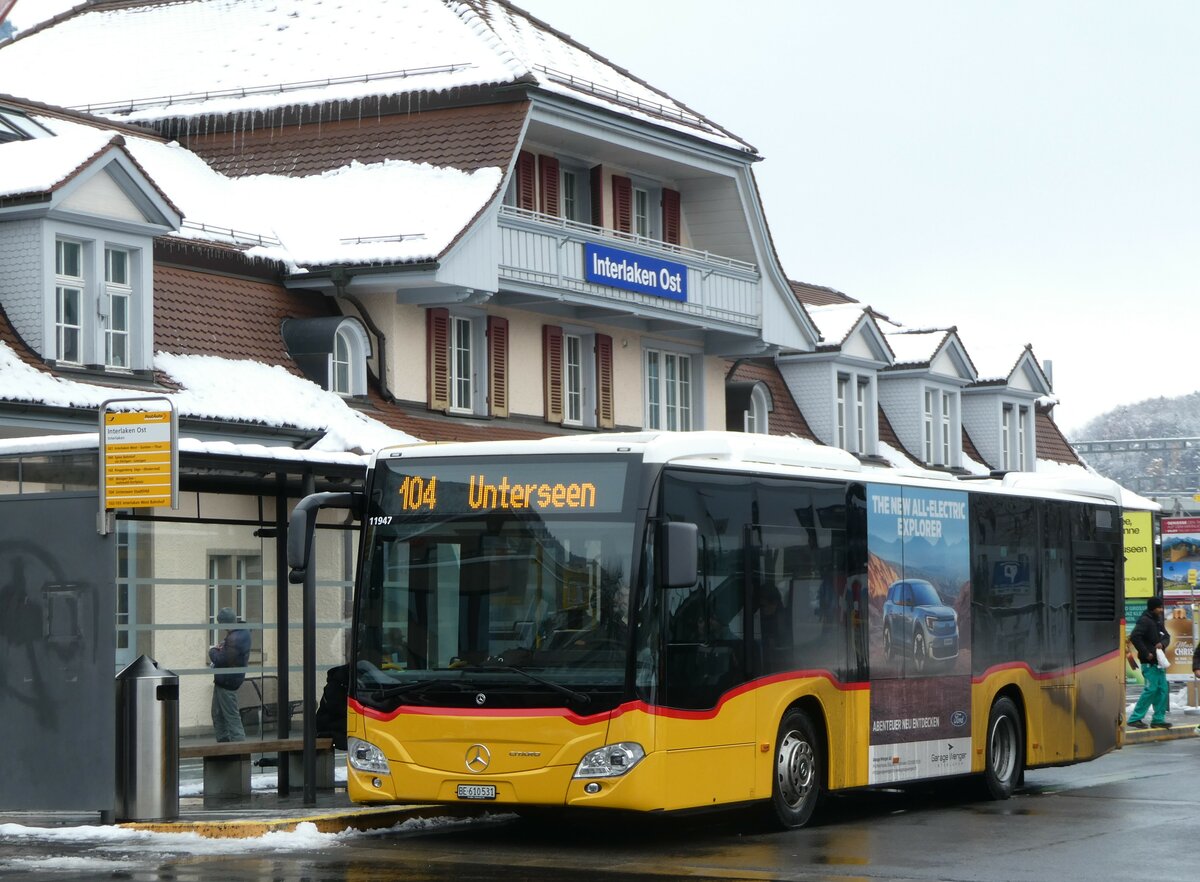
(1148,635)
(232,652)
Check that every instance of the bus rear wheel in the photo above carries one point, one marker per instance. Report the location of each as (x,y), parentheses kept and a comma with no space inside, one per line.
(1004,749)
(799,771)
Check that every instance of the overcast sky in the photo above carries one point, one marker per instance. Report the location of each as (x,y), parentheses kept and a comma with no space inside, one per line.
(1026,170)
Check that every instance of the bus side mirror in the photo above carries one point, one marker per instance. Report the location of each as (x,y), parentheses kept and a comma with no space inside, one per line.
(680,552)
(303,521)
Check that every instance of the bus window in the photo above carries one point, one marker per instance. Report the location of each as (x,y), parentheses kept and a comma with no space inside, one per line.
(705,627)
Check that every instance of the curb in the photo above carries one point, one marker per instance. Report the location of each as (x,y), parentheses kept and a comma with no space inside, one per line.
(1175,733)
(326,822)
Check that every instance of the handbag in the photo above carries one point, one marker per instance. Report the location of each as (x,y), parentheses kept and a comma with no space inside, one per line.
(1163,661)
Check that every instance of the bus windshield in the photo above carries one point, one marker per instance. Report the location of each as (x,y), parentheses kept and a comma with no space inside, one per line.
(510,578)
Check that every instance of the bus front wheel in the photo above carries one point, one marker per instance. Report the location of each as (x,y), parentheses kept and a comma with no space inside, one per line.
(799,771)
(1004,749)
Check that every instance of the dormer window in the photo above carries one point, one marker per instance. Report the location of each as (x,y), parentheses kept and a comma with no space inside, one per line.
(332,351)
(1015,436)
(940,433)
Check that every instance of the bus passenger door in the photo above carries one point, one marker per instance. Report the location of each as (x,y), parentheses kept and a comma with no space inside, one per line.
(706,727)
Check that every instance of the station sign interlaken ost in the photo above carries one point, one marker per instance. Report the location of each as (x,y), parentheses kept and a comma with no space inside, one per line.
(138,458)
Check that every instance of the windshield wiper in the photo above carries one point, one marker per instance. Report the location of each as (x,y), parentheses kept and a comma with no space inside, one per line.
(406,688)
(541,681)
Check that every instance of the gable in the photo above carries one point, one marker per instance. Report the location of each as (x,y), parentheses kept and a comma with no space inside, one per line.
(101,195)
(949,363)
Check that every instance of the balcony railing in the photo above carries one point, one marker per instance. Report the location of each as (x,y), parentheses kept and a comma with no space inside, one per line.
(545,251)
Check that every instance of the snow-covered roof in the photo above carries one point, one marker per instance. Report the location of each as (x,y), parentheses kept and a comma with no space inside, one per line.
(836,321)
(42,164)
(265,395)
(42,444)
(192,58)
(916,346)
(387,212)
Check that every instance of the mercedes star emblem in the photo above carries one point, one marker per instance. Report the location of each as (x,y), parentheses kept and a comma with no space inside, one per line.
(478,758)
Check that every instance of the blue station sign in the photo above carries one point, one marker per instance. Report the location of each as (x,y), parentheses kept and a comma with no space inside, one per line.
(635,272)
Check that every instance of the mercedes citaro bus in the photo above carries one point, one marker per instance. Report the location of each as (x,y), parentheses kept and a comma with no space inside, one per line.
(661,622)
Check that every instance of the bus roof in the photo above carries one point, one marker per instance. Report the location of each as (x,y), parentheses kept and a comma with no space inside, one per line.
(741,450)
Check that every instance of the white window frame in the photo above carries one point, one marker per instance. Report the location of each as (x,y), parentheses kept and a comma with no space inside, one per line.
(861,395)
(757,419)
(1022,437)
(927,424)
(574,387)
(349,351)
(641,213)
(843,395)
(671,397)
(69,288)
(1006,433)
(473,324)
(117,292)
(945,417)
(99,318)
(341,363)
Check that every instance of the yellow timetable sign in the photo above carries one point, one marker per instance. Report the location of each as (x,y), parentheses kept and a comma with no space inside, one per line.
(137,459)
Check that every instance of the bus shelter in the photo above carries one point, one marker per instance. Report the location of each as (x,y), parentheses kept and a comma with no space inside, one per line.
(78,604)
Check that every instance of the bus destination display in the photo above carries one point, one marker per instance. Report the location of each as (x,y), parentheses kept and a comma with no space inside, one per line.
(459,488)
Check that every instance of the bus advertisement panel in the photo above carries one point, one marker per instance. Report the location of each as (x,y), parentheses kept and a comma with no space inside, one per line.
(919,582)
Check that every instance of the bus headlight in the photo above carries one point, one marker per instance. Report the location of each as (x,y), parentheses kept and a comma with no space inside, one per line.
(366,757)
(610,761)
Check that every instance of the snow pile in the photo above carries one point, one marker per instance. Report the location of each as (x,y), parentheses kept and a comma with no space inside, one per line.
(219,388)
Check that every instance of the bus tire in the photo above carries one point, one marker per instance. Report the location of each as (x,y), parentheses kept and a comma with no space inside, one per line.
(1004,749)
(798,775)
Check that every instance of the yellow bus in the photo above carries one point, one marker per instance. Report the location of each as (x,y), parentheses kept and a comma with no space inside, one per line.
(665,622)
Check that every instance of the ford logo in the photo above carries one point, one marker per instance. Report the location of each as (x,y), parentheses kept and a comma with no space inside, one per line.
(958,719)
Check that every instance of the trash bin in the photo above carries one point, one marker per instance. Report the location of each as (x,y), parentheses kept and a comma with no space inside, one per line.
(147,742)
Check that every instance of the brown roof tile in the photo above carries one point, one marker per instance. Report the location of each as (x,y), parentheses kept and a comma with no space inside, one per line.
(9,335)
(1051,443)
(432,427)
(786,418)
(817,295)
(466,138)
(887,434)
(199,313)
(969,449)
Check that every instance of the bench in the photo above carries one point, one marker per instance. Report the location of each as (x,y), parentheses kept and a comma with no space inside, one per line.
(227,763)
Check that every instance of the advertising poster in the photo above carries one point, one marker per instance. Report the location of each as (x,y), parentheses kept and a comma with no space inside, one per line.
(919,582)
(1180,620)
(1139,554)
(1180,555)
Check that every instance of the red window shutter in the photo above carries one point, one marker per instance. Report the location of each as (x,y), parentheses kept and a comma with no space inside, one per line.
(548,166)
(670,206)
(526,186)
(622,204)
(497,333)
(597,196)
(437,348)
(552,370)
(605,418)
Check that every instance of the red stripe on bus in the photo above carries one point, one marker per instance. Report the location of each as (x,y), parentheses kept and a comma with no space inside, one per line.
(1045,675)
(628,707)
